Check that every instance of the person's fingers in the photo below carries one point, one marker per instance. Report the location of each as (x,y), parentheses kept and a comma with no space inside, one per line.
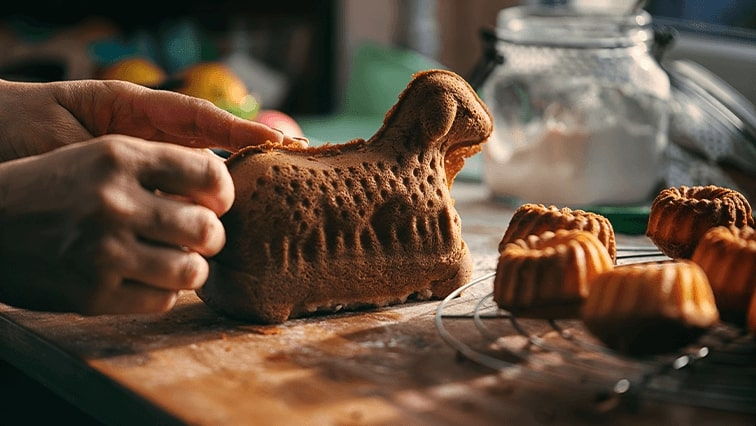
(167,268)
(189,174)
(120,107)
(179,224)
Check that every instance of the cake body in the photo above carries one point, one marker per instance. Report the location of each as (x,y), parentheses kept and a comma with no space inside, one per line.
(728,256)
(650,307)
(533,218)
(547,275)
(354,225)
(679,217)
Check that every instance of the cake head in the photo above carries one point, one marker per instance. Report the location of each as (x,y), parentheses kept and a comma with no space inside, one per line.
(353,225)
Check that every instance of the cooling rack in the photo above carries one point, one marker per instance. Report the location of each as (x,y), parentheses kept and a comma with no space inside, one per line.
(717,371)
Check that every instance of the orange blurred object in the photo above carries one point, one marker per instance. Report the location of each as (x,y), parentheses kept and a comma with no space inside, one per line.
(220,85)
(137,70)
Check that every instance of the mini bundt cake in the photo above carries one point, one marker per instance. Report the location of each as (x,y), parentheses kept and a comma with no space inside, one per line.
(650,307)
(537,218)
(679,217)
(547,275)
(356,225)
(728,256)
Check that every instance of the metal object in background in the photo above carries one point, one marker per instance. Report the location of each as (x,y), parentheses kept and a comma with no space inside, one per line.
(710,118)
(714,372)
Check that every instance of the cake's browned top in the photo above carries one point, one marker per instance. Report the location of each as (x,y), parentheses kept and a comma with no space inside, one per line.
(679,217)
(727,241)
(533,218)
(724,206)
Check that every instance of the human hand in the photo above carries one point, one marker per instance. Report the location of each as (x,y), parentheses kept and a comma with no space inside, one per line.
(39,117)
(113,225)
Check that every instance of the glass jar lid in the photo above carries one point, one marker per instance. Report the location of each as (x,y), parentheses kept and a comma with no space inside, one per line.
(569,27)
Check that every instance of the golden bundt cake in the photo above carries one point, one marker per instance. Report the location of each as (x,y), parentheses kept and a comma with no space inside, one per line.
(679,217)
(728,256)
(547,275)
(537,218)
(650,307)
(354,225)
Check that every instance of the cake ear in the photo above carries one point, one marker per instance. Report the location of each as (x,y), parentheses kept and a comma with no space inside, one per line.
(437,122)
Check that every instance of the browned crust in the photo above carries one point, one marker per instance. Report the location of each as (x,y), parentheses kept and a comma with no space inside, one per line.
(361,224)
(547,275)
(650,307)
(535,219)
(728,256)
(679,217)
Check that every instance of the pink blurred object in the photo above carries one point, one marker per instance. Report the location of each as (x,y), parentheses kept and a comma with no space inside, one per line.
(281,121)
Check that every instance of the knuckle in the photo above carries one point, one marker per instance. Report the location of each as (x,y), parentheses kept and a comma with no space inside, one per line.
(167,303)
(209,230)
(112,150)
(215,173)
(113,204)
(162,218)
(194,271)
(109,253)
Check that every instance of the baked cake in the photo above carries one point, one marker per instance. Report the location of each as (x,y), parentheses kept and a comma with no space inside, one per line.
(679,217)
(650,307)
(355,225)
(728,256)
(537,218)
(547,275)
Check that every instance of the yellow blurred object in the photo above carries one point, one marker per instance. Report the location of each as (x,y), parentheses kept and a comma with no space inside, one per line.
(136,70)
(219,84)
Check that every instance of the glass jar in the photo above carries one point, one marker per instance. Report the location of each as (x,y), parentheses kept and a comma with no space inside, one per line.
(580,108)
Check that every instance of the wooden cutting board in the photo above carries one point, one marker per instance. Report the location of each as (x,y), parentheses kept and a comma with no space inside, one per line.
(387,366)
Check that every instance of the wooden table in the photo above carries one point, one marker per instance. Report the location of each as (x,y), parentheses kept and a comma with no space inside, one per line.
(387,366)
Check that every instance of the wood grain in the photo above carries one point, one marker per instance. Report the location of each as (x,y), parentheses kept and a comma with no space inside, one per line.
(387,366)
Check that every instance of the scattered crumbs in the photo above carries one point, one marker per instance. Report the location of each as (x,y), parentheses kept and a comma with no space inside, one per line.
(281,357)
(262,330)
(356,415)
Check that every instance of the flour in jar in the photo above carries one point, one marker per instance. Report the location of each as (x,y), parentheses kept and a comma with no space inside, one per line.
(576,143)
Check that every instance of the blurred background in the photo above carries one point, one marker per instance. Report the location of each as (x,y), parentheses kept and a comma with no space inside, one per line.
(299,56)
(326,69)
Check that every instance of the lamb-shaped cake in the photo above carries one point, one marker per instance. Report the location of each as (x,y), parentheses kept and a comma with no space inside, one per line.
(357,225)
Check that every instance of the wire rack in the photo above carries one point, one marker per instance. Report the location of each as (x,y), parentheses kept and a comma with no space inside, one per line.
(717,371)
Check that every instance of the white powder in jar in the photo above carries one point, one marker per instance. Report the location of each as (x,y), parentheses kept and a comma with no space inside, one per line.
(580,156)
